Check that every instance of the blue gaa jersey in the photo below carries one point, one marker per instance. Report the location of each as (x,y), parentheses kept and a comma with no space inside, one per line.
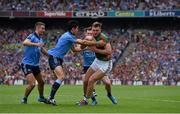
(88,57)
(64,44)
(32,53)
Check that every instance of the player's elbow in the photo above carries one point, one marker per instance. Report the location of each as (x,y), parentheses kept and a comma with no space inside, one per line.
(108,52)
(108,49)
(75,50)
(24,43)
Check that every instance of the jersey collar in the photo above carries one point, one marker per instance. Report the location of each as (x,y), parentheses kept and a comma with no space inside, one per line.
(98,35)
(37,35)
(71,33)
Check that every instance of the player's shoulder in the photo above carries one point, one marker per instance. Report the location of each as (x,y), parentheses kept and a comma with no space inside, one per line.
(104,37)
(68,35)
(30,35)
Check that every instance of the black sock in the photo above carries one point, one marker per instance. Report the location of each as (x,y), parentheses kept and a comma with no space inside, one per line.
(109,94)
(42,97)
(93,98)
(54,88)
(25,98)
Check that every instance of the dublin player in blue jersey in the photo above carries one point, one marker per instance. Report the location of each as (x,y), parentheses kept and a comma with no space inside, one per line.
(30,62)
(88,58)
(66,42)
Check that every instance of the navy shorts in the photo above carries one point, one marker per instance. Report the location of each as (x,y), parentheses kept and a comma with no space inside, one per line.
(54,62)
(28,69)
(85,68)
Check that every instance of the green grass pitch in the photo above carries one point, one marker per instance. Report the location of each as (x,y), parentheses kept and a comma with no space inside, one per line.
(131,99)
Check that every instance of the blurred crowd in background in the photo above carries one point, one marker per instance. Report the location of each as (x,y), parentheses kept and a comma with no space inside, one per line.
(87,5)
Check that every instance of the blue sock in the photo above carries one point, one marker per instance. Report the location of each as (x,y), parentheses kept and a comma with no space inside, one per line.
(58,81)
(54,88)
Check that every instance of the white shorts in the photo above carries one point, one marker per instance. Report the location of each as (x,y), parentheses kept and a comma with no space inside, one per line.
(104,66)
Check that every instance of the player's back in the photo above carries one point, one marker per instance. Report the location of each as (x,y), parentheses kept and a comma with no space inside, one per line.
(88,57)
(63,45)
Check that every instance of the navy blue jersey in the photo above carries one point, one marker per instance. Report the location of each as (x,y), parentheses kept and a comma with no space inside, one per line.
(64,44)
(32,53)
(88,58)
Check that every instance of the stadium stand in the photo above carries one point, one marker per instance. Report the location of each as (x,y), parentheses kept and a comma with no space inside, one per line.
(88,5)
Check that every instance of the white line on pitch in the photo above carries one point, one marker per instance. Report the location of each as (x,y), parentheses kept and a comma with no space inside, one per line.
(161,100)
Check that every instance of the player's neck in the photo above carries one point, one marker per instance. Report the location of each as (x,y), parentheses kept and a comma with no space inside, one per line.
(37,33)
(98,35)
(71,32)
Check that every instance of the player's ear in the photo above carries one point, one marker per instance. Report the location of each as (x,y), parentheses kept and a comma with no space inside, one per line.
(73,29)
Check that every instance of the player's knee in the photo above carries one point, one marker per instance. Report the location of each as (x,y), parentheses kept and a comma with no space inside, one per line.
(108,83)
(41,82)
(31,85)
(85,81)
(91,80)
(61,78)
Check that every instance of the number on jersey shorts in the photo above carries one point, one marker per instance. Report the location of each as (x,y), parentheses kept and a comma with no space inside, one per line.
(104,66)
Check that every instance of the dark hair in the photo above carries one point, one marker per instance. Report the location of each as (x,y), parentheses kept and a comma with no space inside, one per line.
(97,24)
(39,23)
(88,28)
(71,24)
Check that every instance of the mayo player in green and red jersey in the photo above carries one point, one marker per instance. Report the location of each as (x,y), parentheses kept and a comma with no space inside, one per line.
(101,66)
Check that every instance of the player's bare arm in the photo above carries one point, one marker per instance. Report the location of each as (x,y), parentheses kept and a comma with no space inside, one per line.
(83,47)
(27,42)
(88,37)
(91,43)
(106,51)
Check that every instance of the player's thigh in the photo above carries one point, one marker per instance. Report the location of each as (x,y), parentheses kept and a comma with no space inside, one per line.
(98,75)
(31,79)
(88,74)
(28,72)
(56,66)
(106,80)
(59,72)
(38,77)
(37,74)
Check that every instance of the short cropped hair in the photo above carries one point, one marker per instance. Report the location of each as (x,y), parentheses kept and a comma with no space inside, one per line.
(71,24)
(88,28)
(39,23)
(97,24)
